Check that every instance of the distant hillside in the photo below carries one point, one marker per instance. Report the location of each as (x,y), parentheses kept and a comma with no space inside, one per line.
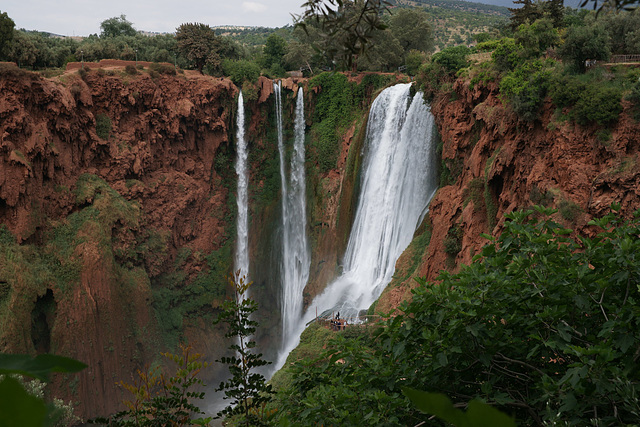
(455,21)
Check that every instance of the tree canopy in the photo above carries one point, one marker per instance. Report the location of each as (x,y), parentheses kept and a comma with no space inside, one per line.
(6,32)
(200,45)
(117,26)
(543,324)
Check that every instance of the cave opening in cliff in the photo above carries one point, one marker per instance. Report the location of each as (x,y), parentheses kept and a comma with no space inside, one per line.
(3,208)
(42,318)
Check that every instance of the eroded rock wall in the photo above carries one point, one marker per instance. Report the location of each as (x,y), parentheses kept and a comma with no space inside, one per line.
(109,182)
(497,163)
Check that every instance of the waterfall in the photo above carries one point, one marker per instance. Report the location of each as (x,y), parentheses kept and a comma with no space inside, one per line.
(295,247)
(297,260)
(242,241)
(398,179)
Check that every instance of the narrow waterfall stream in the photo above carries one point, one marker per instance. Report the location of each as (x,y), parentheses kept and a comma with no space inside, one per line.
(295,245)
(397,182)
(242,241)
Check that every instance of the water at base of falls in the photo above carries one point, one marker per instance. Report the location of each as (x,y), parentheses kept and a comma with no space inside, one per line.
(397,182)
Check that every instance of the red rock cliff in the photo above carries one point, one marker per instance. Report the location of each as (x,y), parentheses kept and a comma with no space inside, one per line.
(103,178)
(498,164)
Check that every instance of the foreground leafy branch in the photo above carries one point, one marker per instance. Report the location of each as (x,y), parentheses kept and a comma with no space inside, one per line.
(544,325)
(248,390)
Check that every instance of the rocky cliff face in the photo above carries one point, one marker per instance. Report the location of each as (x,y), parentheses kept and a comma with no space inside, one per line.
(495,163)
(118,217)
(108,183)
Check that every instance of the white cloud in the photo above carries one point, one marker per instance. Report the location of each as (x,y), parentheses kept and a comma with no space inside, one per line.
(250,6)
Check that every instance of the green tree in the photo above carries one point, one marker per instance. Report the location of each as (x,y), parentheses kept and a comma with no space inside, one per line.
(536,38)
(200,45)
(248,390)
(385,53)
(159,400)
(544,325)
(582,43)
(554,10)
(6,32)
(346,28)
(22,50)
(412,29)
(274,50)
(117,26)
(529,12)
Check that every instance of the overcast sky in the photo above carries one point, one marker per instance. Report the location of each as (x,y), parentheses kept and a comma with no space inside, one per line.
(83,17)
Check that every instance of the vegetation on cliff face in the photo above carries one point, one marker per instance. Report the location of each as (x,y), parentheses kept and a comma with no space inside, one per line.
(541,325)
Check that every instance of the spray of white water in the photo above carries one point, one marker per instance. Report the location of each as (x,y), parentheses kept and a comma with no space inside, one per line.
(242,241)
(398,180)
(295,251)
(296,262)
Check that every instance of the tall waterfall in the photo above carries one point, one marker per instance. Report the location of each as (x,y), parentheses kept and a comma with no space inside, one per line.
(397,182)
(295,256)
(242,241)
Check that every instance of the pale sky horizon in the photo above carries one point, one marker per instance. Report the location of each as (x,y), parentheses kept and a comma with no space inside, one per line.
(82,18)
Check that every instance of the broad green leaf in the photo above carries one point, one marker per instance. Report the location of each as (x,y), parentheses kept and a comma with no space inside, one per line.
(19,408)
(39,367)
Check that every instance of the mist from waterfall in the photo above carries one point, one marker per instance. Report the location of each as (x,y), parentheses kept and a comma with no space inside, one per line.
(398,179)
(242,240)
(295,246)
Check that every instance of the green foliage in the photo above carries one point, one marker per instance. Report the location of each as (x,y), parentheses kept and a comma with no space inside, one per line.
(414,60)
(584,42)
(452,59)
(536,38)
(412,29)
(541,325)
(598,104)
(161,401)
(117,26)
(478,414)
(103,126)
(17,406)
(569,210)
(200,45)
(507,54)
(241,70)
(345,28)
(526,87)
(590,98)
(333,108)
(6,32)
(453,241)
(274,51)
(634,97)
(247,389)
(163,68)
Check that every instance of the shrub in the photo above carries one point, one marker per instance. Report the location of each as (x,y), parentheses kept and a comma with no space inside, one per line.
(526,86)
(569,210)
(163,68)
(241,70)
(507,54)
(453,241)
(598,104)
(582,43)
(103,126)
(634,98)
(487,46)
(452,59)
(131,70)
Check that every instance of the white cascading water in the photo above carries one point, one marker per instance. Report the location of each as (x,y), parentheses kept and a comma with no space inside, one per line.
(295,254)
(398,180)
(242,241)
